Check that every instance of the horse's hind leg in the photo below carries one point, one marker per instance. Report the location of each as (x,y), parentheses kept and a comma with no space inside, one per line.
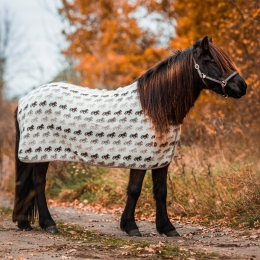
(39,179)
(24,202)
(134,188)
(163,224)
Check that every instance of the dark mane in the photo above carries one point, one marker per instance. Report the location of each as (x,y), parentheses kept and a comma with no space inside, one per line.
(167,90)
(223,61)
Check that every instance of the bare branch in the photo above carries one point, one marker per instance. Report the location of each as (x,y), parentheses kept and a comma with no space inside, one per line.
(243,14)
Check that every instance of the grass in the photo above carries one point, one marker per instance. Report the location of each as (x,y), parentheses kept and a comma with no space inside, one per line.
(5,211)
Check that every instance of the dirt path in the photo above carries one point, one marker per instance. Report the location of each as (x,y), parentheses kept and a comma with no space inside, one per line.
(215,242)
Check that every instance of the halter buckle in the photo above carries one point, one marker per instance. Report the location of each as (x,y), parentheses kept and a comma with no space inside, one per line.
(197,66)
(223,84)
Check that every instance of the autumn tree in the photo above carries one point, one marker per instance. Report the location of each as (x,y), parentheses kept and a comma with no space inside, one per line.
(110,46)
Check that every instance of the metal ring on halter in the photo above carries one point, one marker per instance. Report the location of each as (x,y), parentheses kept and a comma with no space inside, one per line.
(223,84)
(225,95)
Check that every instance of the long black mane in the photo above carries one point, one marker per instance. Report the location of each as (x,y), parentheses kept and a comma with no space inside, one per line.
(167,90)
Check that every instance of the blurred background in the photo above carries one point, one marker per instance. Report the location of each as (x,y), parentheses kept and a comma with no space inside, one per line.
(107,44)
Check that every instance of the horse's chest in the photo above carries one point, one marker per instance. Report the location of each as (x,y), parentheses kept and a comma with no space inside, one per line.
(107,128)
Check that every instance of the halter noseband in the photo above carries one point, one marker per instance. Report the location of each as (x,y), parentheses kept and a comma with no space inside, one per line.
(223,83)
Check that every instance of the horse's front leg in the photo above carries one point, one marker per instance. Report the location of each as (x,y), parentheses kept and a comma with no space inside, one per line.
(39,179)
(163,224)
(134,188)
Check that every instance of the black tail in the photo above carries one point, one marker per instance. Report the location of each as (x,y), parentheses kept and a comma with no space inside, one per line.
(24,202)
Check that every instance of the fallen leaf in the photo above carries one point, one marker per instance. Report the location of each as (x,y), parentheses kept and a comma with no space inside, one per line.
(126,246)
(149,249)
(72,250)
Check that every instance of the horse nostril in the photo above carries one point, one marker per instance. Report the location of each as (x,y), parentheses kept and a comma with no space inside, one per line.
(243,87)
(243,84)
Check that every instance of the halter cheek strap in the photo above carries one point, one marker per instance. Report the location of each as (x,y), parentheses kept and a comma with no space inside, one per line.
(223,83)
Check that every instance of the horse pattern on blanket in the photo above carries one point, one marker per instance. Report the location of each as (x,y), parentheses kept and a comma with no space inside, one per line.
(64,122)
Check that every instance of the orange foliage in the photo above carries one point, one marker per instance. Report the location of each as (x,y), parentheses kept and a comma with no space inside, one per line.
(111,47)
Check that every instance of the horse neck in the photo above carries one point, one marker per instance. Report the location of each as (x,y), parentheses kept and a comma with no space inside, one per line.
(167,91)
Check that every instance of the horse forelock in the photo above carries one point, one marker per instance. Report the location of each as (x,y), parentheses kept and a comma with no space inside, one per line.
(167,91)
(222,58)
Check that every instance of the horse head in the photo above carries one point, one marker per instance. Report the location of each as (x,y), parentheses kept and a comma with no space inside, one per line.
(216,70)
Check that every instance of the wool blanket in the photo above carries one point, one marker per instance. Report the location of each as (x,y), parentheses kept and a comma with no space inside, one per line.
(64,122)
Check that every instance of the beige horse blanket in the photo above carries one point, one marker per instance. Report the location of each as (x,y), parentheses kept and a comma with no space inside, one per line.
(63,122)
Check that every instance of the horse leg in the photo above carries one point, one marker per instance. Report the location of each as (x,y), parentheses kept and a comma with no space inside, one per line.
(163,224)
(127,223)
(24,201)
(39,180)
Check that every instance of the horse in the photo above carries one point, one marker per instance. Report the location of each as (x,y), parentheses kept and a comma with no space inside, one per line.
(51,120)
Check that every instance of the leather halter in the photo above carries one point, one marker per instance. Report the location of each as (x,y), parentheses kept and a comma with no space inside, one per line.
(223,83)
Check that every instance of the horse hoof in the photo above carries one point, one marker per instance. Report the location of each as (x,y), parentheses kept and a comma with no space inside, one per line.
(25,226)
(52,229)
(172,233)
(134,233)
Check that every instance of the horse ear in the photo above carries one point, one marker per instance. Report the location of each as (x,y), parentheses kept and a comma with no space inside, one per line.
(205,44)
(210,39)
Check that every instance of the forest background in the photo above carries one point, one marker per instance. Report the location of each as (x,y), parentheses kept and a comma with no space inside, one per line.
(216,172)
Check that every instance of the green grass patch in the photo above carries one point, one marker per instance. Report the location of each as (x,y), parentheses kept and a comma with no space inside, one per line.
(5,211)
(249,222)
